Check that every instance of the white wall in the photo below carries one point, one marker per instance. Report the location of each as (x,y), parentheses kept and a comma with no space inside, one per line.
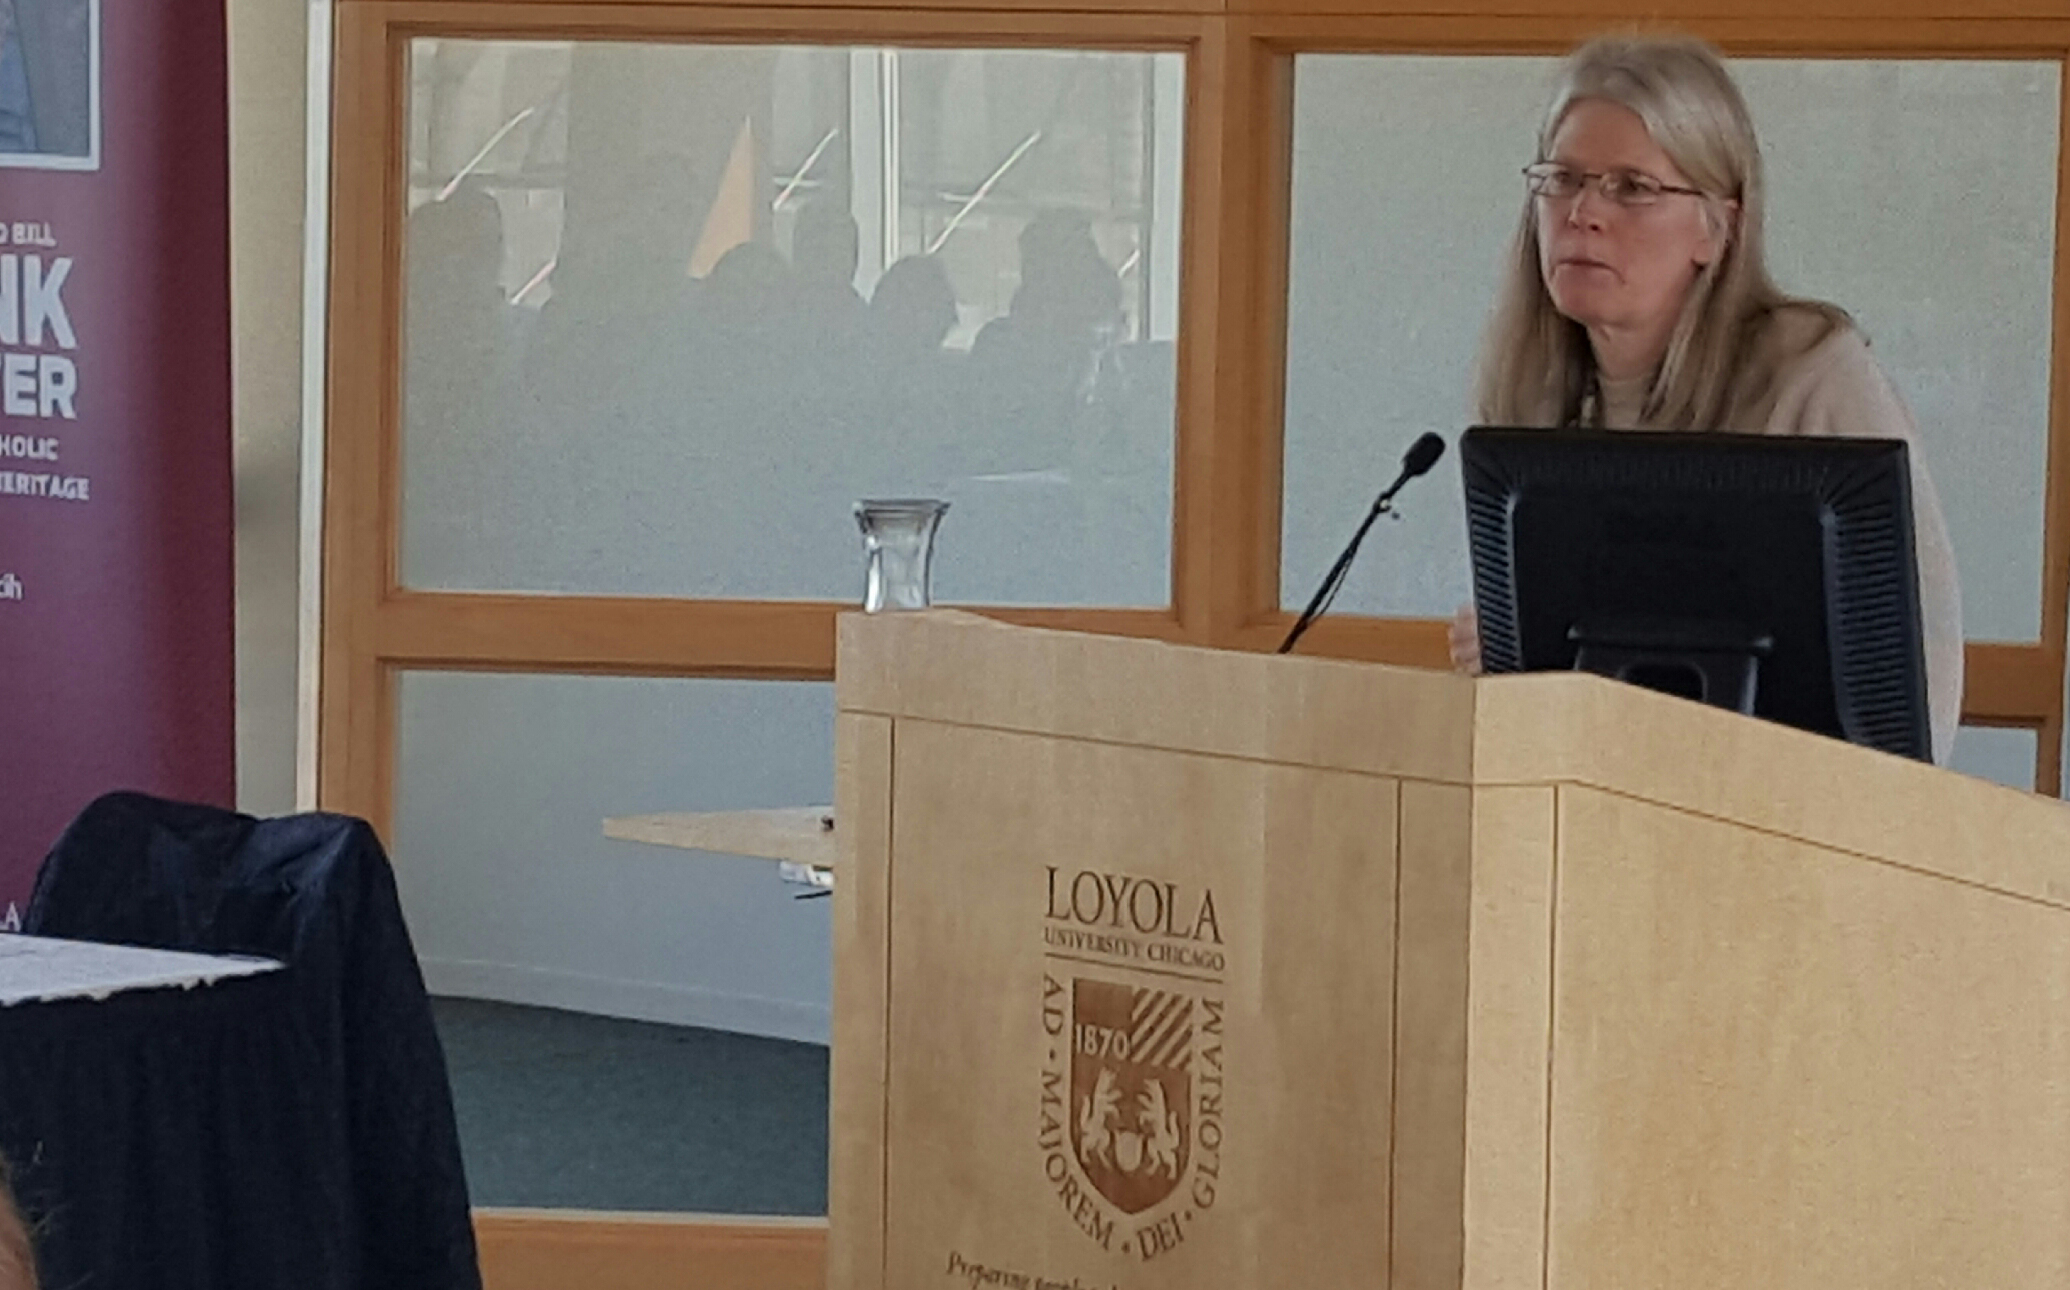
(268,85)
(514,893)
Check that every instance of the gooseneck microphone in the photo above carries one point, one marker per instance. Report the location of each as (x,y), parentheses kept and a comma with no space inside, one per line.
(1421,456)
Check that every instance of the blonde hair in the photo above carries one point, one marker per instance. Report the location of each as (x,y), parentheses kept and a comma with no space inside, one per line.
(1536,364)
(17,1258)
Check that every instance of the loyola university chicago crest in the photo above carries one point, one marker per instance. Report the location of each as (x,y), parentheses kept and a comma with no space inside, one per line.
(1131,1085)
(1131,1125)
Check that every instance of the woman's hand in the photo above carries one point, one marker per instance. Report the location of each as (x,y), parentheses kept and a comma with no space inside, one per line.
(1464,637)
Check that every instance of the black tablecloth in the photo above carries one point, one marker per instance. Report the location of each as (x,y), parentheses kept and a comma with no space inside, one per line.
(292,1130)
(178,1138)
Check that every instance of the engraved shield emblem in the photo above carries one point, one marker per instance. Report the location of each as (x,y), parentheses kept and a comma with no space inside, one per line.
(1131,1090)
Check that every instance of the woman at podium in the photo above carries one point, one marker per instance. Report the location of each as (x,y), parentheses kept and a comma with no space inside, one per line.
(1637,296)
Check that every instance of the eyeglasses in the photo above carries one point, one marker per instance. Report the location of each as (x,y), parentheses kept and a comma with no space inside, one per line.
(1628,188)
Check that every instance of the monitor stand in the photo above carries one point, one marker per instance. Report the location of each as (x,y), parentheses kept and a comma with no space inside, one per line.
(1710,662)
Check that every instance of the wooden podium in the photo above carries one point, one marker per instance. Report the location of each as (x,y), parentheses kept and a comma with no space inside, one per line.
(1161,967)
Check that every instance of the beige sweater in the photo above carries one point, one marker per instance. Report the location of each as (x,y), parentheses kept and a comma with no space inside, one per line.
(1835,388)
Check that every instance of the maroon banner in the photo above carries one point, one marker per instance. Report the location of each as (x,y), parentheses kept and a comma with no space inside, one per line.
(116,563)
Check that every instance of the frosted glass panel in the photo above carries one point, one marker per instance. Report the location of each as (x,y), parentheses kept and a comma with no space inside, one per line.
(513,892)
(1918,195)
(2002,756)
(1405,193)
(673,309)
(1921,197)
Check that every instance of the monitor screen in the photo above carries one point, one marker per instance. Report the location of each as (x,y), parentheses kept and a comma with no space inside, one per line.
(1772,575)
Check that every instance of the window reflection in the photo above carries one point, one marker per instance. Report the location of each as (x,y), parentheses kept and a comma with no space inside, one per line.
(672,308)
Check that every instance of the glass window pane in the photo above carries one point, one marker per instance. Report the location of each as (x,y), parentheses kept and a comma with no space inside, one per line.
(514,896)
(672,309)
(1405,195)
(1921,196)
(2002,756)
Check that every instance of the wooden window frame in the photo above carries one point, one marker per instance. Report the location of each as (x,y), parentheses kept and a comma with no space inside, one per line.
(1227,485)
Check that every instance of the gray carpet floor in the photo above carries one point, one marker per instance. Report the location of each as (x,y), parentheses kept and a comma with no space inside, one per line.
(569,1111)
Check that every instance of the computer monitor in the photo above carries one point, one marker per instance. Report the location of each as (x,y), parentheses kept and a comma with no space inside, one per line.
(1775,576)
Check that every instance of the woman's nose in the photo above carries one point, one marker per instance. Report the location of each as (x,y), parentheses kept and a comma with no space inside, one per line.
(1585,208)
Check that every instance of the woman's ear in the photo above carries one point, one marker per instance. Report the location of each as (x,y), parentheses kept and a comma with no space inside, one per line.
(1722,223)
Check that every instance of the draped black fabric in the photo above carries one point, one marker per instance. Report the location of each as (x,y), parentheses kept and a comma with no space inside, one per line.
(288,1130)
(169,1138)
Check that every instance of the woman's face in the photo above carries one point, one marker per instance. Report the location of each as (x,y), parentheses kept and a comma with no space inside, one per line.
(1613,266)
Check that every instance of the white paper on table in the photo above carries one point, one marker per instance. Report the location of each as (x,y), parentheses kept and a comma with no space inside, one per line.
(36,969)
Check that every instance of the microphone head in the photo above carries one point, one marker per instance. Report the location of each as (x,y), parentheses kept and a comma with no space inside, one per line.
(1422,454)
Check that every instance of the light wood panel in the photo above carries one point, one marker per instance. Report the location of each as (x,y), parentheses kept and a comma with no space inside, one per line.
(1508,1030)
(1783,1066)
(1433,933)
(356,709)
(991,997)
(571,1250)
(1587,731)
(1328,1208)
(1390,722)
(1226,548)
(1677,998)
(798,834)
(864,758)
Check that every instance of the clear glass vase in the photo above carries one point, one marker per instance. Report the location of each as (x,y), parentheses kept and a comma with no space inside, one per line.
(898,551)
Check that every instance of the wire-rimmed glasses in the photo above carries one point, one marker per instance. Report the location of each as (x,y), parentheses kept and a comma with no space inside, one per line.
(1620,187)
